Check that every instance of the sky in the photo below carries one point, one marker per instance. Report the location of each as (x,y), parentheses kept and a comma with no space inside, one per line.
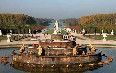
(58,9)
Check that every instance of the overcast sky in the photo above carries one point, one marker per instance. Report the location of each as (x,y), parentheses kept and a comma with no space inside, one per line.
(58,8)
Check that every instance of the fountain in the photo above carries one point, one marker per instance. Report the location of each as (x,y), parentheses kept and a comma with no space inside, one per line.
(56,28)
(58,54)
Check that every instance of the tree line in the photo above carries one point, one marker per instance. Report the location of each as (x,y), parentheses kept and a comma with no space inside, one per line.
(42,21)
(70,21)
(19,23)
(94,23)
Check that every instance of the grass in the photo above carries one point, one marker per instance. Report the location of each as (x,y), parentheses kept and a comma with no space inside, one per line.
(51,31)
(105,44)
(63,32)
(100,37)
(3,37)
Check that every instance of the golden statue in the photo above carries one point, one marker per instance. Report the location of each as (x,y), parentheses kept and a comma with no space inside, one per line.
(75,50)
(22,49)
(39,50)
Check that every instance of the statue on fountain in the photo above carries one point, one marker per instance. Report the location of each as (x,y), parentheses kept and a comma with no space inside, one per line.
(56,28)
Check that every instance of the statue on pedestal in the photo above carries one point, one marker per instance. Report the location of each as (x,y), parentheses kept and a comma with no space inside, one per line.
(29,31)
(0,32)
(75,31)
(104,36)
(102,32)
(10,31)
(112,33)
(83,31)
(8,38)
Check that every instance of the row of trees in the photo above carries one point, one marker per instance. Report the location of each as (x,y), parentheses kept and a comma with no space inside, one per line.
(42,21)
(19,23)
(16,22)
(95,23)
(70,21)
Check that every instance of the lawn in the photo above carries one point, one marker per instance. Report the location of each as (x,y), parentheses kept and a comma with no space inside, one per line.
(63,32)
(3,37)
(51,31)
(100,37)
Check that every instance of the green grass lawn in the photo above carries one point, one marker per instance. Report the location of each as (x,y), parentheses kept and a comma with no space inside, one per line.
(100,37)
(3,37)
(63,32)
(51,31)
(105,44)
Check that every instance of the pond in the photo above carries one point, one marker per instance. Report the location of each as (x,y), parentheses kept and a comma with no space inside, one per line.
(105,69)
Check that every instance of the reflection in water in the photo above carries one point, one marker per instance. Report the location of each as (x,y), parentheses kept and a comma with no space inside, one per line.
(51,69)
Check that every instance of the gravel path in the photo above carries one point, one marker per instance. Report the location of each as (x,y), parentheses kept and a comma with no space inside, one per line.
(78,41)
